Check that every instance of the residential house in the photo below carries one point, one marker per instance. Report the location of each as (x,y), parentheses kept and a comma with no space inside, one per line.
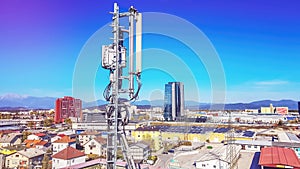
(87,136)
(10,139)
(57,137)
(139,151)
(63,143)
(40,144)
(69,133)
(39,136)
(2,160)
(96,146)
(67,157)
(34,137)
(44,145)
(3,153)
(30,158)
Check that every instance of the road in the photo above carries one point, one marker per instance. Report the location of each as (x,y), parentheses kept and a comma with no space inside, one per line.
(163,160)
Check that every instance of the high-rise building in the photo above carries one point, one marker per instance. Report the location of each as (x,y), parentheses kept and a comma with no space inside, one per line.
(174,101)
(67,107)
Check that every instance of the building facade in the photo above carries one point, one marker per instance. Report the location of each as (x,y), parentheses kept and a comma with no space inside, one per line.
(96,146)
(139,151)
(29,158)
(173,101)
(67,107)
(67,157)
(63,143)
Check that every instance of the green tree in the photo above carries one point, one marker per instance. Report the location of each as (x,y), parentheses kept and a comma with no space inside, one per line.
(68,121)
(30,124)
(45,162)
(48,122)
(93,156)
(280,123)
(25,135)
(141,118)
(147,117)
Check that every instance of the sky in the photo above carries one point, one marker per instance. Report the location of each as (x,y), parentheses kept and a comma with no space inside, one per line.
(257,44)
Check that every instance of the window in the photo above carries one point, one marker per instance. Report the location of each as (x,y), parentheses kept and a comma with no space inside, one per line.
(203,165)
(215,166)
(17,155)
(255,146)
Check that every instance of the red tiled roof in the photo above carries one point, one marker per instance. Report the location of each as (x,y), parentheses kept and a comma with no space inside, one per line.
(65,139)
(277,156)
(68,153)
(61,135)
(40,134)
(42,142)
(33,143)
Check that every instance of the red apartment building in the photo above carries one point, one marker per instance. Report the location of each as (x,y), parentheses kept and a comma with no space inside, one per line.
(67,107)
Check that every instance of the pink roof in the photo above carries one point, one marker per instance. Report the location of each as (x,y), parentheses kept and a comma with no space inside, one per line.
(274,156)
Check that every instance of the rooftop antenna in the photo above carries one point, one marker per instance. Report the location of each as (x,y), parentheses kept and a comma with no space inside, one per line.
(114,59)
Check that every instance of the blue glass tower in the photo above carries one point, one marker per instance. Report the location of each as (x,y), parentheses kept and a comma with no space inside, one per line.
(174,101)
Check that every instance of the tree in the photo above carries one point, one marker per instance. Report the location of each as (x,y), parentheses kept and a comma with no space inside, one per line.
(48,122)
(93,156)
(25,135)
(30,124)
(45,162)
(141,118)
(280,123)
(68,121)
(147,117)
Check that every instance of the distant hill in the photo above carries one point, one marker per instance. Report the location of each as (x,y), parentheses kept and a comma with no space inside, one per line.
(13,101)
(291,104)
(30,102)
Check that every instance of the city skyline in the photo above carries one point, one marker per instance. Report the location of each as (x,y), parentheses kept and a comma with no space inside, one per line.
(257,43)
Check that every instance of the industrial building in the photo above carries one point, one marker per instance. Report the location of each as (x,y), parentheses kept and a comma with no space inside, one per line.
(219,158)
(274,110)
(276,157)
(67,107)
(174,101)
(160,134)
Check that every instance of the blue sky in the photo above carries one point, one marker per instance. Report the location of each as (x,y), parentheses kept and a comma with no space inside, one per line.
(258,43)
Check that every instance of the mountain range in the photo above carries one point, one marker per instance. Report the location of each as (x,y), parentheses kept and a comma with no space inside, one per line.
(13,101)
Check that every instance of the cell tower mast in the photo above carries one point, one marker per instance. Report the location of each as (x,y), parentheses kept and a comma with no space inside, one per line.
(114,59)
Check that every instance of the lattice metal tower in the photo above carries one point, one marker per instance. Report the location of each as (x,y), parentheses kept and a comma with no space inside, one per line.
(230,150)
(114,59)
